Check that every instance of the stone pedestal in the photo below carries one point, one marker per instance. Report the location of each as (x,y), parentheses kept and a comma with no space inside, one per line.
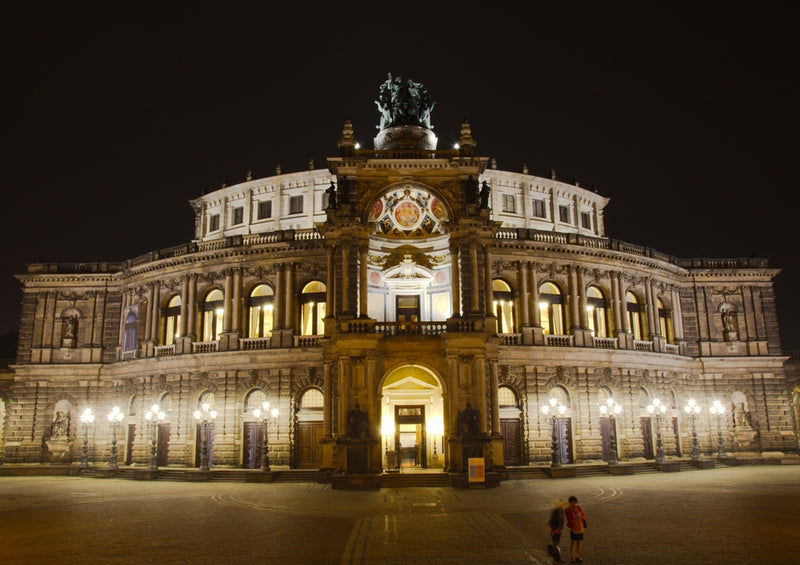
(58,450)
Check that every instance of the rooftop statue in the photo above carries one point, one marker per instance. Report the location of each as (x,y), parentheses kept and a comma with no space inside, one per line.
(404,103)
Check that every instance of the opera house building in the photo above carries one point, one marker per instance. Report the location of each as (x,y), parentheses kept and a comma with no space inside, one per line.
(407,308)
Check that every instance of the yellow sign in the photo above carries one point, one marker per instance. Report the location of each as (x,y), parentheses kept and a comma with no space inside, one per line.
(477,469)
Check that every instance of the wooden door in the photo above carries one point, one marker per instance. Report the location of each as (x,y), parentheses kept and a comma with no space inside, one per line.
(607,432)
(564,430)
(129,444)
(198,444)
(647,437)
(512,441)
(309,449)
(253,445)
(163,444)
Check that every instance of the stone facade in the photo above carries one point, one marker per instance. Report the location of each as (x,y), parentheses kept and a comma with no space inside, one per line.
(413,287)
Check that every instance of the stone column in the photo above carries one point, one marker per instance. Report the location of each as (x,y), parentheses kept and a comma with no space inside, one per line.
(184,306)
(326,400)
(522,285)
(191,324)
(455,275)
(362,282)
(236,318)
(345,279)
(473,253)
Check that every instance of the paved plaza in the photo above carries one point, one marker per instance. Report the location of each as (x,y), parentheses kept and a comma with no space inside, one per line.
(741,515)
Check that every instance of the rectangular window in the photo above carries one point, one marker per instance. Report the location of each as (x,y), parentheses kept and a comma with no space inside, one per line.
(586,220)
(265,209)
(538,209)
(213,222)
(563,214)
(296,204)
(238,215)
(509,204)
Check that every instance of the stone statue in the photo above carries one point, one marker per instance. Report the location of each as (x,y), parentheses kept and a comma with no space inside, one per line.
(357,423)
(730,324)
(484,195)
(403,103)
(331,192)
(60,427)
(70,326)
(468,423)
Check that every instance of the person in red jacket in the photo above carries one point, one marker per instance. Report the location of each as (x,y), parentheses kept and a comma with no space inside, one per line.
(576,522)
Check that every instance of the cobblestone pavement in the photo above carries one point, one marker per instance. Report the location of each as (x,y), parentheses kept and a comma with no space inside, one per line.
(742,515)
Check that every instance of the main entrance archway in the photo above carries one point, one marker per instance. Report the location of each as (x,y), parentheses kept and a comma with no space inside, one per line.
(412,420)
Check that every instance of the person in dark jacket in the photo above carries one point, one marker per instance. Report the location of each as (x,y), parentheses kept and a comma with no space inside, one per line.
(554,526)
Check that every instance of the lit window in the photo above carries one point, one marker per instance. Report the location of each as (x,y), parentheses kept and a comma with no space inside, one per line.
(597,312)
(312,308)
(634,310)
(213,310)
(503,306)
(260,312)
(551,309)
(172,320)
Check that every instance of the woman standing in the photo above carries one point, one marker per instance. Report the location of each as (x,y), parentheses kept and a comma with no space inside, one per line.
(576,522)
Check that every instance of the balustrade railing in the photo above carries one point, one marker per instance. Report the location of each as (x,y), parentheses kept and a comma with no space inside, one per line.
(254,343)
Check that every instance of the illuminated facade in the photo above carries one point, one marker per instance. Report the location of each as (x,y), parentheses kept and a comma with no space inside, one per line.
(407,307)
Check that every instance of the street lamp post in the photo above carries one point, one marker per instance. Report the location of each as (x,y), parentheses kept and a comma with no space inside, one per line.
(155,416)
(693,409)
(657,408)
(267,416)
(204,417)
(87,418)
(115,417)
(718,410)
(612,409)
(556,409)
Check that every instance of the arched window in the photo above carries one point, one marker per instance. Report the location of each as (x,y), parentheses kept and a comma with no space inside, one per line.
(312,399)
(506,397)
(312,309)
(503,306)
(551,309)
(260,312)
(634,315)
(129,335)
(664,322)
(213,309)
(172,320)
(597,312)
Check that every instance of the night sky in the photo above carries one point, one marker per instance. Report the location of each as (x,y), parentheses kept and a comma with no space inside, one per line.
(687,121)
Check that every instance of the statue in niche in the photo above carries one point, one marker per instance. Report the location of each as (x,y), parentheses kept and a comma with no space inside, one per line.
(70,328)
(484,195)
(730,325)
(357,423)
(741,416)
(468,423)
(331,192)
(60,426)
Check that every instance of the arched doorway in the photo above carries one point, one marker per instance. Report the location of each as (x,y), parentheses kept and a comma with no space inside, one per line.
(412,420)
